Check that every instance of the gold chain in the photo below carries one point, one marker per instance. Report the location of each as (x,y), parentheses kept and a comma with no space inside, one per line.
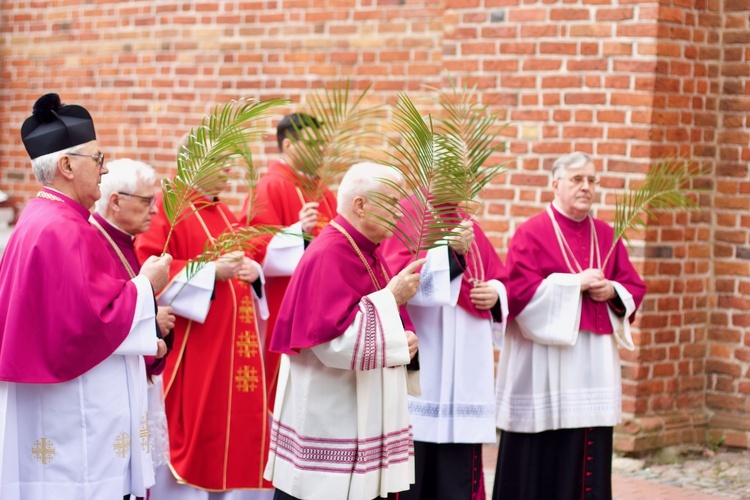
(48,196)
(119,253)
(361,257)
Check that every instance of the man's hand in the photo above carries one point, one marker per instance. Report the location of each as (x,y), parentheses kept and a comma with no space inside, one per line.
(405,284)
(161,349)
(590,276)
(602,290)
(228,265)
(156,269)
(165,319)
(461,237)
(308,216)
(483,296)
(412,342)
(248,270)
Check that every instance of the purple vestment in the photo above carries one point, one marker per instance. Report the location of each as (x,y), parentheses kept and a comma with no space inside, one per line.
(62,311)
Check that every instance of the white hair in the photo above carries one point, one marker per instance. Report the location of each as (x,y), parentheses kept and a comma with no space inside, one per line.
(566,162)
(45,166)
(124,176)
(362,178)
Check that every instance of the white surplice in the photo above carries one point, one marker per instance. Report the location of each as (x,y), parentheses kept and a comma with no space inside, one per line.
(457,404)
(87,438)
(341,424)
(553,376)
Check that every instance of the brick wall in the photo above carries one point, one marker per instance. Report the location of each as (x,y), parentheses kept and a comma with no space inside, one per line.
(626,81)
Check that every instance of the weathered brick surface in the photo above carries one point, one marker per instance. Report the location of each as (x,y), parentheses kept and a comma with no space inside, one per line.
(627,81)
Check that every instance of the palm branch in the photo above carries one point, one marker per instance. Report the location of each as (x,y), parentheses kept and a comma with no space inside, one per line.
(201,164)
(425,218)
(323,152)
(663,189)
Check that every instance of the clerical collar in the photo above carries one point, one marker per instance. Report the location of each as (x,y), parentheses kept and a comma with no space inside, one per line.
(83,211)
(562,212)
(114,226)
(363,242)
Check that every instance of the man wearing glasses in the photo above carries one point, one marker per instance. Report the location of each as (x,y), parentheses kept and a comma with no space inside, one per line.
(558,385)
(72,335)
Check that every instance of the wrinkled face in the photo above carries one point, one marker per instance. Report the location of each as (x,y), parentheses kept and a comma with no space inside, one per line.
(134,210)
(574,191)
(381,215)
(86,174)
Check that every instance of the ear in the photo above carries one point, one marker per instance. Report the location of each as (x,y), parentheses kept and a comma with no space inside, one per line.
(65,168)
(114,202)
(285,144)
(358,205)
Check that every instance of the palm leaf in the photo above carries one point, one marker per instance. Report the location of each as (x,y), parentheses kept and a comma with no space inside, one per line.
(222,137)
(322,153)
(663,189)
(424,222)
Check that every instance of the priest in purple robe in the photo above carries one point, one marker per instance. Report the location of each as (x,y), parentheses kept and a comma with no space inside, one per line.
(559,391)
(72,333)
(124,210)
(341,424)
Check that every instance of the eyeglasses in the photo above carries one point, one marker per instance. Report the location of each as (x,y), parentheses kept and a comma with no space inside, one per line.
(150,200)
(578,180)
(99,158)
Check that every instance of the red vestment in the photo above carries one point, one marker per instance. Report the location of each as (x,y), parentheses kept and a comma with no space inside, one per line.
(214,378)
(277,202)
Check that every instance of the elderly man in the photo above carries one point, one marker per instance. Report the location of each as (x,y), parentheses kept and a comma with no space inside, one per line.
(341,424)
(72,334)
(215,392)
(460,304)
(278,201)
(124,210)
(558,384)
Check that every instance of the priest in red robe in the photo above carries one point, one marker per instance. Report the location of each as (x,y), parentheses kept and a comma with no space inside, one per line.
(215,392)
(279,201)
(72,333)
(559,390)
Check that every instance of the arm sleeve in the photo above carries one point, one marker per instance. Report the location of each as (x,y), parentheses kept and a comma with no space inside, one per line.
(436,286)
(553,315)
(141,339)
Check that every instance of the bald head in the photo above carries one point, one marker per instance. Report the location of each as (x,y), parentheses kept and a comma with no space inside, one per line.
(357,205)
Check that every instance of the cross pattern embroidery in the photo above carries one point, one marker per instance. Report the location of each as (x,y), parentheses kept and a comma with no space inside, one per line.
(43,451)
(122,445)
(145,441)
(246,310)
(246,379)
(247,345)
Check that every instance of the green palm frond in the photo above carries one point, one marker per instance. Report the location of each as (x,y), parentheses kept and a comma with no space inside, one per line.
(424,223)
(222,137)
(665,188)
(322,153)
(468,136)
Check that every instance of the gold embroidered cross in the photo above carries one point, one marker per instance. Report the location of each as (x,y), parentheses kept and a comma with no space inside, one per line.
(145,441)
(43,451)
(247,345)
(246,310)
(122,445)
(247,379)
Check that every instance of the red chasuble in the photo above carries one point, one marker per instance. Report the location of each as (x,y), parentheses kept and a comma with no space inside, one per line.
(278,202)
(534,254)
(214,377)
(62,311)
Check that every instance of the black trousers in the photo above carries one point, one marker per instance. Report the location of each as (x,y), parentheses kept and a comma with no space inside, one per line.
(445,471)
(566,464)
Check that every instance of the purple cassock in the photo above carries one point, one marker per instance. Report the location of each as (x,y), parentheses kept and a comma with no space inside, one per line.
(62,308)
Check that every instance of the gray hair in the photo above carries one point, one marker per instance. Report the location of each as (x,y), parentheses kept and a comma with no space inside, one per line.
(362,178)
(124,175)
(45,166)
(566,162)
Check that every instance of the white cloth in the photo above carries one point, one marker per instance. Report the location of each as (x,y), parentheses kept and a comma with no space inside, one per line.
(167,488)
(456,360)
(284,251)
(87,438)
(341,424)
(553,376)
(158,431)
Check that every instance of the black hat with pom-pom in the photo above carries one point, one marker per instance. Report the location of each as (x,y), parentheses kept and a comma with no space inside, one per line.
(53,126)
